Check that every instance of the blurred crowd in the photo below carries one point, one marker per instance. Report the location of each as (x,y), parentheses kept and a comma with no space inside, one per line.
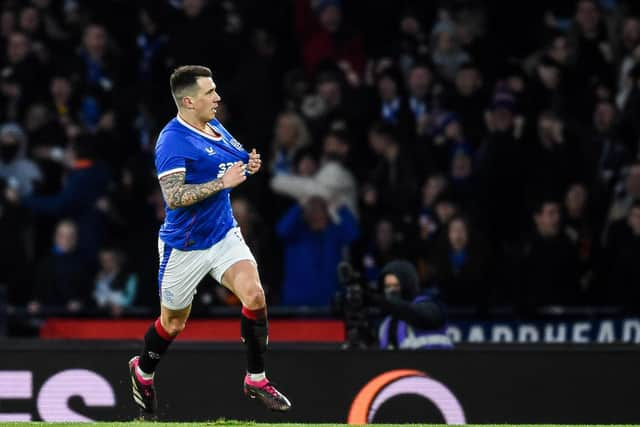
(493,144)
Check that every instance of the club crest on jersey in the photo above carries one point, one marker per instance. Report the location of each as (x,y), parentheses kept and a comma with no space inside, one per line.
(210,151)
(236,144)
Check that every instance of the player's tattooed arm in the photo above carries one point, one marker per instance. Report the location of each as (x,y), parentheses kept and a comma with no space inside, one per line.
(177,194)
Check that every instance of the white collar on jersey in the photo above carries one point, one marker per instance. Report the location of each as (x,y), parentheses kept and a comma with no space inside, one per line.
(198,131)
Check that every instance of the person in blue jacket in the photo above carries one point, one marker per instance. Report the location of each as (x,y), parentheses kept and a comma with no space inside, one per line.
(314,244)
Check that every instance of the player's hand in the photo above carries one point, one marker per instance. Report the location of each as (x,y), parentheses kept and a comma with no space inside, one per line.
(254,162)
(234,176)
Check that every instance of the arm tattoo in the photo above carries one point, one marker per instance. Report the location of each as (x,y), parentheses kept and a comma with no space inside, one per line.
(177,194)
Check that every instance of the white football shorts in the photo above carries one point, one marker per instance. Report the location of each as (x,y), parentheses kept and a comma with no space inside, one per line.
(181,271)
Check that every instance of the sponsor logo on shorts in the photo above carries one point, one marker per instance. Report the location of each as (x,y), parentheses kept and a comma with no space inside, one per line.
(167,296)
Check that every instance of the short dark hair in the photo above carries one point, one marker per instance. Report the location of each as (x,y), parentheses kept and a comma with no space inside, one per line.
(186,76)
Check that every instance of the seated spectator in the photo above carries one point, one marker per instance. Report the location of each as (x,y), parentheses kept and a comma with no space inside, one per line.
(115,286)
(419,87)
(16,169)
(313,247)
(61,278)
(290,135)
(623,262)
(460,266)
(392,181)
(628,193)
(579,226)
(447,54)
(550,266)
(392,106)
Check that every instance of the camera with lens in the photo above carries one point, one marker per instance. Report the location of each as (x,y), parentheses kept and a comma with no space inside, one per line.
(352,304)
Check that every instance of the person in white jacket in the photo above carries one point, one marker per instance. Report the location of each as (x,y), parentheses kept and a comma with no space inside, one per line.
(333,181)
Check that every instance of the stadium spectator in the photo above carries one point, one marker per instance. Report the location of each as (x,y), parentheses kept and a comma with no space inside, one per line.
(413,319)
(386,244)
(623,268)
(550,264)
(115,286)
(420,83)
(447,54)
(391,181)
(16,169)
(290,134)
(459,267)
(326,36)
(61,278)
(627,194)
(313,242)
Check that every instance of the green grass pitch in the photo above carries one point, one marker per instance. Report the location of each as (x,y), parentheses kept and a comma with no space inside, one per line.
(228,423)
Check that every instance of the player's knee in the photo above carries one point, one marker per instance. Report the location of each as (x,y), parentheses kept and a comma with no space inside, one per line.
(176,326)
(254,298)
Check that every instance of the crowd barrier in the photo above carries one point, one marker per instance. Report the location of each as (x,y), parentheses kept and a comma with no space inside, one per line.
(585,331)
(84,381)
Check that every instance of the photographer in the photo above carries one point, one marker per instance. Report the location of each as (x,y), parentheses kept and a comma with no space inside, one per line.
(401,317)
(412,320)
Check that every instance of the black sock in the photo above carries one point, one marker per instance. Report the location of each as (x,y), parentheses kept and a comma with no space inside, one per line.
(255,330)
(156,342)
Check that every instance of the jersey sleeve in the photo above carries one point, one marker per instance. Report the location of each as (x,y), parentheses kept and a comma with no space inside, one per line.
(170,155)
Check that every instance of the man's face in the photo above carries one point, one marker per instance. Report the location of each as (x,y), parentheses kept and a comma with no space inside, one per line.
(587,16)
(330,92)
(502,119)
(384,235)
(432,188)
(392,286)
(419,81)
(286,131)
(65,237)
(467,80)
(560,49)
(335,148)
(549,75)
(192,8)
(546,130)
(60,88)
(387,89)
(205,100)
(576,198)
(378,142)
(330,18)
(316,215)
(17,48)
(457,235)
(29,19)
(631,33)
(95,40)
(603,116)
(548,219)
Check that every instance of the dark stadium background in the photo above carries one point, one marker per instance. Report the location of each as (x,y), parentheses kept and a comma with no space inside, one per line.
(512,182)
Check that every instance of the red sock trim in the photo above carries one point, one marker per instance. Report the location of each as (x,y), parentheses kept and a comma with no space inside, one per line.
(254,314)
(161,331)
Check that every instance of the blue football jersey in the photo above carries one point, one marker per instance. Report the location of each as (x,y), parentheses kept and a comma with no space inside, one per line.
(203,157)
